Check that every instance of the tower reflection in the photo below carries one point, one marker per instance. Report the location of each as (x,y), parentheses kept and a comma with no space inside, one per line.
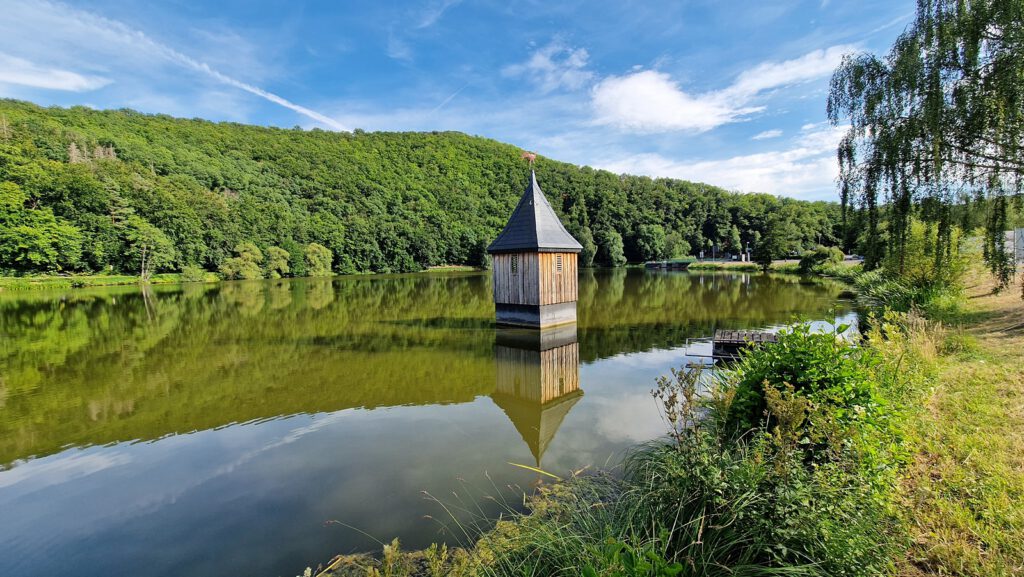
(538,381)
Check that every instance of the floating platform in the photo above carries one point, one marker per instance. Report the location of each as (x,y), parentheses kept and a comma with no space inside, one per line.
(668,264)
(728,344)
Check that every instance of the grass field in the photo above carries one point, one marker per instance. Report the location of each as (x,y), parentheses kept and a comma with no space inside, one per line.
(81,281)
(965,493)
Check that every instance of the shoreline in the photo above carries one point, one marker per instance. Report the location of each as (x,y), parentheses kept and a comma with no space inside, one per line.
(73,281)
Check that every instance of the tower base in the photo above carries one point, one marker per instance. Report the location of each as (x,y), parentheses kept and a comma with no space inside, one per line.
(535,316)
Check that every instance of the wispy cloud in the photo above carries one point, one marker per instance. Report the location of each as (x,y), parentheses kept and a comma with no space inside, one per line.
(767,134)
(804,168)
(398,48)
(650,101)
(14,70)
(552,67)
(115,37)
(434,12)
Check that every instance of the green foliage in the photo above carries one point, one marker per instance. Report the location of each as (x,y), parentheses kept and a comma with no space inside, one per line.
(277,262)
(649,243)
(33,239)
(621,559)
(937,122)
(589,251)
(821,368)
(379,202)
(149,248)
(610,251)
(245,264)
(318,260)
(193,273)
(820,256)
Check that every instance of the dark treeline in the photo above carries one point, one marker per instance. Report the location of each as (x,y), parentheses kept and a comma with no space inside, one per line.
(96,191)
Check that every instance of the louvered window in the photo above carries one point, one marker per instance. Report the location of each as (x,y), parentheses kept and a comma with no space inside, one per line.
(558,263)
(515,264)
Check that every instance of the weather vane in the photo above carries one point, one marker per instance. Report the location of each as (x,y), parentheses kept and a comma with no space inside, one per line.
(529,156)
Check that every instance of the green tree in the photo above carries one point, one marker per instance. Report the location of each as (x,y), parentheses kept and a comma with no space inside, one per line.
(650,242)
(589,251)
(769,246)
(148,246)
(676,246)
(318,260)
(34,239)
(735,243)
(940,118)
(245,264)
(609,248)
(277,262)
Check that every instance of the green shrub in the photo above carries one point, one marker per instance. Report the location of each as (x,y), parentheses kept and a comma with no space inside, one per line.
(277,262)
(820,256)
(820,367)
(245,264)
(193,273)
(318,260)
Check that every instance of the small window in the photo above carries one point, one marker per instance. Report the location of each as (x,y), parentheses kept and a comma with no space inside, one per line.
(515,264)
(558,263)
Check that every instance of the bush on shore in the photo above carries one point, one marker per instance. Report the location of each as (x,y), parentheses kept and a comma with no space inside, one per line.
(786,465)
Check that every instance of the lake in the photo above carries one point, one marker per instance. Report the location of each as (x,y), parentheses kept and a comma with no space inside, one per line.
(258,427)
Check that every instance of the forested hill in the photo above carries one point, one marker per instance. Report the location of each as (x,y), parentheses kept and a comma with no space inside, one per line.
(87,190)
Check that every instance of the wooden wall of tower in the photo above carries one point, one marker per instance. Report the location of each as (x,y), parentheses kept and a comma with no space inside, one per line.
(538,279)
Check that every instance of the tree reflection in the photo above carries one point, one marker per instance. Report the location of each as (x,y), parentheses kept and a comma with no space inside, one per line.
(94,366)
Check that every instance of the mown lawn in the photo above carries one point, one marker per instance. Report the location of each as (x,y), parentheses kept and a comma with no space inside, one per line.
(965,492)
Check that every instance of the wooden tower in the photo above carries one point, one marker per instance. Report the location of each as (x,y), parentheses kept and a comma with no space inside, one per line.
(538,381)
(535,272)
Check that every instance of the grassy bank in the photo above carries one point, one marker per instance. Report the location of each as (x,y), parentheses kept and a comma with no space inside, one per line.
(82,281)
(782,266)
(964,494)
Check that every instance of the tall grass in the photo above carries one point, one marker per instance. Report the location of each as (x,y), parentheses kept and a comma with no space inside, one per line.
(788,464)
(802,482)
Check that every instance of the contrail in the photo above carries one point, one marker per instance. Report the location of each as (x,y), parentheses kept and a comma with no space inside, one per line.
(449,99)
(205,68)
(140,39)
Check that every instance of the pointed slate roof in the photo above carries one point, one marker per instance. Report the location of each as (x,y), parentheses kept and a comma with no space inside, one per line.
(534,226)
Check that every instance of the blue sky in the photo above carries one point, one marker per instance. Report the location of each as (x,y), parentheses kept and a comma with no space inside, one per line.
(729,93)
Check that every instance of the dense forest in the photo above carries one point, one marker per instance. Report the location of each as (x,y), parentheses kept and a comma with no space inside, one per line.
(83,190)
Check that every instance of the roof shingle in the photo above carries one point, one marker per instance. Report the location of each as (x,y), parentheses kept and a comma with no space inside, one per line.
(534,226)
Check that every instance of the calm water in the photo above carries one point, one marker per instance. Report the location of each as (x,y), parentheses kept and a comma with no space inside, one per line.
(214,430)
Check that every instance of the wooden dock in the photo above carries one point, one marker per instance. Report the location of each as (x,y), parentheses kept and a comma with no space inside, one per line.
(668,265)
(727,344)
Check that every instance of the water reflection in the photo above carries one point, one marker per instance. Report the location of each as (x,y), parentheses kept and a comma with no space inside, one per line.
(538,381)
(192,430)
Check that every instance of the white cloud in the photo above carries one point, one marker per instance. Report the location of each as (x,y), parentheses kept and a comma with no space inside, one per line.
(774,133)
(14,70)
(553,67)
(649,101)
(770,75)
(63,32)
(806,168)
